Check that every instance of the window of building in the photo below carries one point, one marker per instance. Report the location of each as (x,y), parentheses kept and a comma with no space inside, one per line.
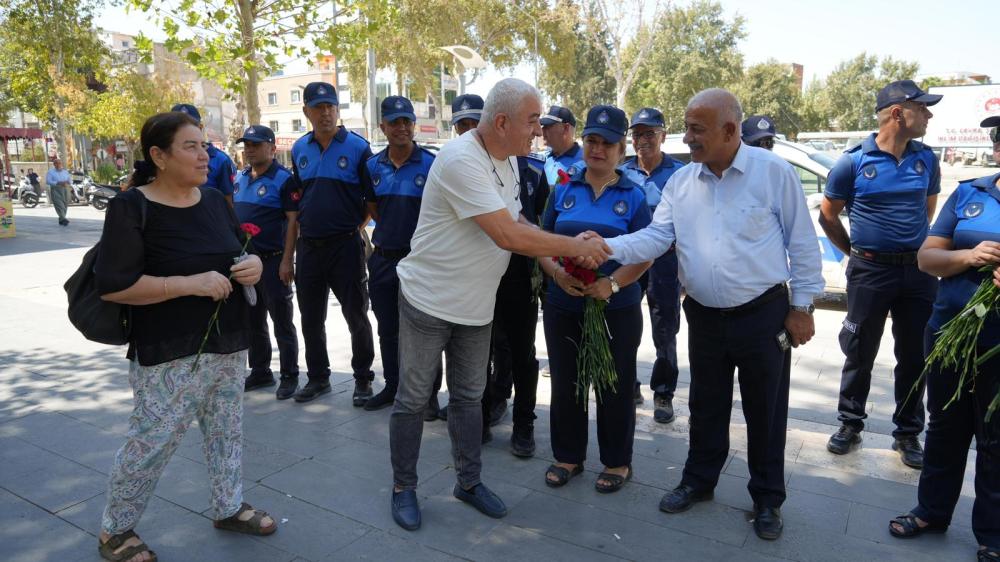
(272,98)
(344,106)
(296,96)
(273,125)
(124,43)
(297,125)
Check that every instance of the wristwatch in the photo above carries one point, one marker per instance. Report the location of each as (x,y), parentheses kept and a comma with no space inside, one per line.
(808,309)
(614,284)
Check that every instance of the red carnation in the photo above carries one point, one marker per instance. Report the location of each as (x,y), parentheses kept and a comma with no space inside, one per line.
(250,228)
(296,196)
(563,176)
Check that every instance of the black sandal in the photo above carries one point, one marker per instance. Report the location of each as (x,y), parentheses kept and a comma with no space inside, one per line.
(108,548)
(562,475)
(987,555)
(616,481)
(911,528)
(252,526)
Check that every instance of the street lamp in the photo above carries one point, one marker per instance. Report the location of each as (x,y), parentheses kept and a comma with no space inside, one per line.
(534,23)
(467,59)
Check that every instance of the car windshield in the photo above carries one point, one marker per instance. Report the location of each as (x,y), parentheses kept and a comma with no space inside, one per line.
(824,159)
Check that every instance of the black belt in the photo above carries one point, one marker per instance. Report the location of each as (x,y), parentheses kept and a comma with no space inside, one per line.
(265,255)
(900,258)
(391,254)
(767,296)
(329,240)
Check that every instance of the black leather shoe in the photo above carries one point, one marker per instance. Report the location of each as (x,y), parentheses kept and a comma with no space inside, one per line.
(312,390)
(844,440)
(362,392)
(287,388)
(522,441)
(482,499)
(431,412)
(637,394)
(767,522)
(381,400)
(663,409)
(910,451)
(682,498)
(443,413)
(406,510)
(260,379)
(497,412)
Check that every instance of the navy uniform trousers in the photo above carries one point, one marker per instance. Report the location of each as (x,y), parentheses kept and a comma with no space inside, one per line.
(946,449)
(719,343)
(274,298)
(336,263)
(514,363)
(873,291)
(663,295)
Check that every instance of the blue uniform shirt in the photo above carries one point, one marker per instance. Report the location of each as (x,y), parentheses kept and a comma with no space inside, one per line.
(886,199)
(263,201)
(970,216)
(397,192)
(572,209)
(571,160)
(534,194)
(221,171)
(332,183)
(653,183)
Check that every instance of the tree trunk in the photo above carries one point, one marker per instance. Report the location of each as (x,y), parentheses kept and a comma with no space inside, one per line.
(250,46)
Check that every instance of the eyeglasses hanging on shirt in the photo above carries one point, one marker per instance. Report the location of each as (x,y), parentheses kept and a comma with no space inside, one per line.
(517,182)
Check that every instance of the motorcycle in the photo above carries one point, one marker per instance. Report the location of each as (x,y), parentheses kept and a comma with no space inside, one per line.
(98,195)
(26,194)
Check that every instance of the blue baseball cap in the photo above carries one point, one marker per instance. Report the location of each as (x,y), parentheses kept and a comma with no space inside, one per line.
(757,127)
(467,106)
(558,114)
(394,107)
(257,133)
(189,109)
(903,90)
(607,121)
(649,116)
(319,92)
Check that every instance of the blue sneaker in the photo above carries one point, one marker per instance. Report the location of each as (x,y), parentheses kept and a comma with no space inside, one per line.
(482,499)
(405,510)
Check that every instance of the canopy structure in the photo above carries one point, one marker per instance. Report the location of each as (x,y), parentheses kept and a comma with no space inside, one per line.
(13,133)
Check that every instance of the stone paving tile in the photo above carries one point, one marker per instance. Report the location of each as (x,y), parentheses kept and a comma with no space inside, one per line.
(380,545)
(59,484)
(872,523)
(507,542)
(67,437)
(31,534)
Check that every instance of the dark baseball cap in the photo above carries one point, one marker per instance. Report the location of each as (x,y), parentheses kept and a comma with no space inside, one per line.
(757,127)
(257,133)
(994,124)
(467,106)
(189,109)
(558,114)
(903,90)
(606,121)
(319,92)
(394,107)
(649,116)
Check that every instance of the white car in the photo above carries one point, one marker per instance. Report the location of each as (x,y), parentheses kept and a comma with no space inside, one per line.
(813,168)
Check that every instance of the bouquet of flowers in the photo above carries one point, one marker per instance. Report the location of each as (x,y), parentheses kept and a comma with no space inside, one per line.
(956,346)
(250,230)
(595,367)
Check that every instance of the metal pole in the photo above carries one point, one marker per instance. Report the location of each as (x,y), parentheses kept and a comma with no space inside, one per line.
(372,101)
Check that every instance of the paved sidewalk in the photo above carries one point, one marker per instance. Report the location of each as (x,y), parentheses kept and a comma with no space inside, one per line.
(323,468)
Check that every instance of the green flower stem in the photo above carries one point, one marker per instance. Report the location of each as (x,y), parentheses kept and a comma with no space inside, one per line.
(213,320)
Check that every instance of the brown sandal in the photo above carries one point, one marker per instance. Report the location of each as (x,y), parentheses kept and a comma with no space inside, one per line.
(108,548)
(251,526)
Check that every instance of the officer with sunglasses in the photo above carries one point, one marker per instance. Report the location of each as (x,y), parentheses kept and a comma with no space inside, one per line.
(758,130)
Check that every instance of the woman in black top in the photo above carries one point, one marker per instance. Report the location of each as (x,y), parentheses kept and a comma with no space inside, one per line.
(168,249)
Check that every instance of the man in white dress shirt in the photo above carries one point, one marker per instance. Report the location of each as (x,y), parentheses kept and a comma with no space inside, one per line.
(750,263)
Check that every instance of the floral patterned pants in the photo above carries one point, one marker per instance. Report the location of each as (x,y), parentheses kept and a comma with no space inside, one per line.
(167,398)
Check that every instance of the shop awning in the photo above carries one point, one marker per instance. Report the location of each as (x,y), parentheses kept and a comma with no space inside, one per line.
(11,133)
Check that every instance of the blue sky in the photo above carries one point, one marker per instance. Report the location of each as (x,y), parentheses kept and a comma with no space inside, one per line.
(942,36)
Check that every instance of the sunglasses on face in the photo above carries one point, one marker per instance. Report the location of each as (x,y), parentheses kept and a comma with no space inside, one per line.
(767,142)
(645,135)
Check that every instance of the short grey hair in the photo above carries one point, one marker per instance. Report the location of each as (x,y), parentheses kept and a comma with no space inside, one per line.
(507,96)
(723,100)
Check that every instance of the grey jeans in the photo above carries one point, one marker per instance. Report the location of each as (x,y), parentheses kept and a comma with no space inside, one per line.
(422,338)
(59,197)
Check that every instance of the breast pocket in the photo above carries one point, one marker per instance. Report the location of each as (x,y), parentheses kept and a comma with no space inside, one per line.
(755,222)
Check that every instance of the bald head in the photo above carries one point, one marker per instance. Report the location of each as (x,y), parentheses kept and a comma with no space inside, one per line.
(712,128)
(722,102)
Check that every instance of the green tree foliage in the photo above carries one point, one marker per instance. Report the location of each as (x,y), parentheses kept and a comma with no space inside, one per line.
(770,88)
(845,101)
(580,78)
(695,47)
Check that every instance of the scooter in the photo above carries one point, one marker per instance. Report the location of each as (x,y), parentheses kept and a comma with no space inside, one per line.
(99,195)
(27,195)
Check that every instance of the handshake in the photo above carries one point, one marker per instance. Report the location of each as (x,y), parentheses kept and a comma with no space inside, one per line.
(590,250)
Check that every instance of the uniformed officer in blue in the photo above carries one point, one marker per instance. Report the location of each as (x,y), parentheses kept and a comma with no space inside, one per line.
(759,131)
(602,199)
(221,170)
(965,238)
(663,290)
(397,176)
(264,196)
(559,132)
(331,171)
(465,112)
(889,184)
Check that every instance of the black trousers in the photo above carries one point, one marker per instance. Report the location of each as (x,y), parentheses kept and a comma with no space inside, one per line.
(514,364)
(615,410)
(663,295)
(274,298)
(873,291)
(338,266)
(719,344)
(949,434)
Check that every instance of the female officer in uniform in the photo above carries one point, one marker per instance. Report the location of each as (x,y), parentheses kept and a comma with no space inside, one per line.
(598,198)
(965,238)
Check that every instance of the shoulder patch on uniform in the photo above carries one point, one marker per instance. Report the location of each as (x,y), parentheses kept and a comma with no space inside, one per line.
(303,162)
(972,210)
(377,179)
(262,191)
(342,162)
(621,207)
(919,167)
(569,201)
(869,171)
(419,180)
